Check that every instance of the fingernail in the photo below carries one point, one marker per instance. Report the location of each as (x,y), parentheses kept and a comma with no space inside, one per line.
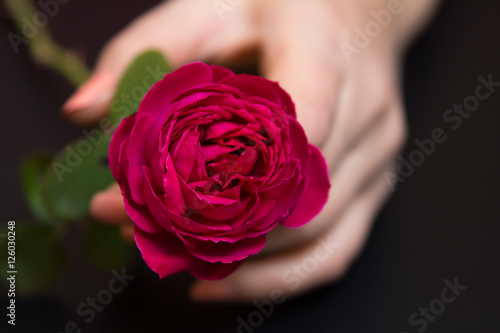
(96,89)
(211,291)
(106,206)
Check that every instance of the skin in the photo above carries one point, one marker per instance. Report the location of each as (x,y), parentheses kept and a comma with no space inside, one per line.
(352,110)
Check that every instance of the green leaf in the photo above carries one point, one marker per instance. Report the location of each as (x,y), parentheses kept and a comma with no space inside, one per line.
(81,168)
(39,257)
(31,174)
(104,246)
(142,73)
(78,171)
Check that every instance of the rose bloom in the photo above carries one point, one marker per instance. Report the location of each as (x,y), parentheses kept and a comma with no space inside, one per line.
(210,163)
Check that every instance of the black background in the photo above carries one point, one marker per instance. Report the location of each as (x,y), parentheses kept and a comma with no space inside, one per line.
(441,223)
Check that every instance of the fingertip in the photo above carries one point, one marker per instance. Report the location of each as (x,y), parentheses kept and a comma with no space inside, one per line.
(108,206)
(97,206)
(91,101)
(211,291)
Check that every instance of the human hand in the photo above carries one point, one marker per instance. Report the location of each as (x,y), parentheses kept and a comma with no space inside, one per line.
(352,111)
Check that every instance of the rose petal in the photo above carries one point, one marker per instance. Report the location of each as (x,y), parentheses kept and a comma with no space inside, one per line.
(220,128)
(245,163)
(300,147)
(156,207)
(257,86)
(187,153)
(189,224)
(137,157)
(173,198)
(213,271)
(121,136)
(220,73)
(162,252)
(140,214)
(211,152)
(315,194)
(166,91)
(165,254)
(227,252)
(225,212)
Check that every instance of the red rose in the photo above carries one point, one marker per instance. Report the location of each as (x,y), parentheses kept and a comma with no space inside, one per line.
(209,164)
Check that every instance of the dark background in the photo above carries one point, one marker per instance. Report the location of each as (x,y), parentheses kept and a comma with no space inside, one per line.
(442,222)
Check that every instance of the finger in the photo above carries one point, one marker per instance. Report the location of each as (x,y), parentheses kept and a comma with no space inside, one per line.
(177,28)
(107,206)
(367,92)
(378,145)
(299,55)
(321,261)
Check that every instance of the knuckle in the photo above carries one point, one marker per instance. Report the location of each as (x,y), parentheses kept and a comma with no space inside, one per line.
(398,131)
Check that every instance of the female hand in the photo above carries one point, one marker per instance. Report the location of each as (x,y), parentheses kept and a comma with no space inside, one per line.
(349,106)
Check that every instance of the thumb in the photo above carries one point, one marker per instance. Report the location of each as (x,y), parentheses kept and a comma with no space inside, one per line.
(174,28)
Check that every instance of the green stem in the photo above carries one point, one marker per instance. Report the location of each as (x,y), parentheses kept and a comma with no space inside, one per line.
(44,50)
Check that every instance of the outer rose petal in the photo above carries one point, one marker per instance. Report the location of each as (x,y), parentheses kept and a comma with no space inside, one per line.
(213,271)
(220,72)
(263,88)
(139,214)
(166,91)
(121,134)
(315,193)
(165,254)
(227,252)
(301,149)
